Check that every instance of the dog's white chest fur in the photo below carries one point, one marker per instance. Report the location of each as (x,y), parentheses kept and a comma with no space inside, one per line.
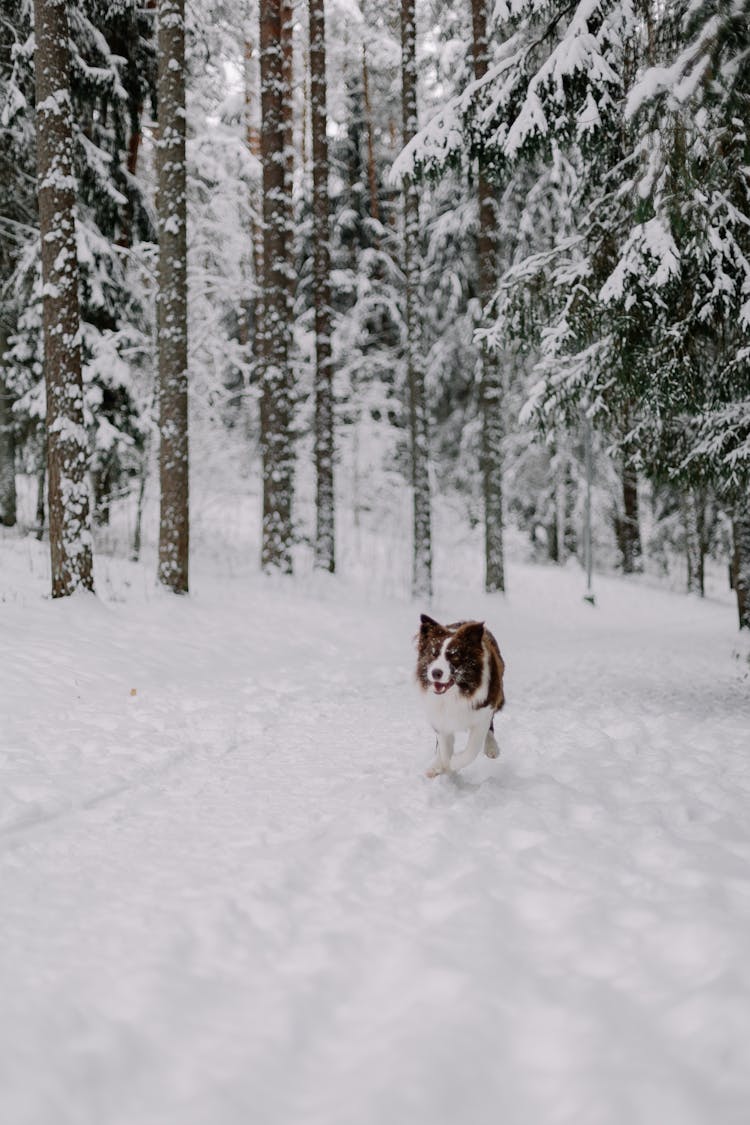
(451,711)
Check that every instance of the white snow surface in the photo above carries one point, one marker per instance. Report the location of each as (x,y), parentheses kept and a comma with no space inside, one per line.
(230,895)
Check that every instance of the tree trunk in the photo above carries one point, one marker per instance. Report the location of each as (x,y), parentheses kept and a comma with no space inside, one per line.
(741,562)
(252,136)
(7,445)
(491,382)
(131,164)
(276,391)
(41,485)
(174,524)
(693,546)
(418,424)
(67,447)
(325,558)
(627,527)
(287,116)
(372,177)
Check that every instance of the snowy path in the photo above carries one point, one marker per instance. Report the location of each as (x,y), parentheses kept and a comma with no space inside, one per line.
(233,896)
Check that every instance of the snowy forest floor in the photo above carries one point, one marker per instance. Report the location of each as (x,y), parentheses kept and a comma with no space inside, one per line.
(230,895)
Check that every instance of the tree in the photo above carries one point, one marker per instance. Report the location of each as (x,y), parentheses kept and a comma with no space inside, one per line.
(7,443)
(325,557)
(276,390)
(490,380)
(67,457)
(174,522)
(418,421)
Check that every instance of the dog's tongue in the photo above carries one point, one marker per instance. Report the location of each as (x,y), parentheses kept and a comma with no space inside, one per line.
(440,687)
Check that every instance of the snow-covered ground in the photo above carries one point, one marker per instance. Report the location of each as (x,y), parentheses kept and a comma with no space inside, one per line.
(228,894)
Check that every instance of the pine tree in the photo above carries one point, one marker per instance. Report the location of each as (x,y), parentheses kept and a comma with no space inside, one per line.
(70,536)
(324,426)
(174,522)
(276,397)
(418,419)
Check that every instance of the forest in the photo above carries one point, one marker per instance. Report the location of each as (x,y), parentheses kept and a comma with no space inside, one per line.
(379,260)
(374,384)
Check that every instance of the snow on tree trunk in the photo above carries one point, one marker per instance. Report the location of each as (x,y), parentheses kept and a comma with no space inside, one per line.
(276,392)
(418,426)
(325,557)
(7,445)
(741,562)
(174,526)
(67,447)
(491,380)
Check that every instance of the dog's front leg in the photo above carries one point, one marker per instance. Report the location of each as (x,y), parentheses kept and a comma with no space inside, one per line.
(443,755)
(476,741)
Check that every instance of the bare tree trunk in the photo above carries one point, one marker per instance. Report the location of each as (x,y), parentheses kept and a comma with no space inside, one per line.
(371,171)
(418,425)
(41,485)
(561,507)
(287,116)
(174,524)
(276,391)
(325,557)
(252,137)
(693,545)
(741,562)
(67,447)
(7,445)
(627,522)
(135,553)
(491,381)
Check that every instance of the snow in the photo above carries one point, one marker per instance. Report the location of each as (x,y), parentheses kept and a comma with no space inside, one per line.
(230,894)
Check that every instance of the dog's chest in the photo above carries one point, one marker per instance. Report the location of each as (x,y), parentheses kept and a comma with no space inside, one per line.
(450,712)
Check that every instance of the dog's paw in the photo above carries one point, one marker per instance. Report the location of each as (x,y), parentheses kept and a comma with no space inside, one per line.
(434,771)
(491,748)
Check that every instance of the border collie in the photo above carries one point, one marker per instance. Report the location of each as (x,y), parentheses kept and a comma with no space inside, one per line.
(460,673)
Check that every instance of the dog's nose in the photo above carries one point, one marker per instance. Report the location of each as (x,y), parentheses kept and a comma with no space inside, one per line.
(437,673)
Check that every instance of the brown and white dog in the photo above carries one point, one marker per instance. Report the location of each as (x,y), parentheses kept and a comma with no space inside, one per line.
(460,673)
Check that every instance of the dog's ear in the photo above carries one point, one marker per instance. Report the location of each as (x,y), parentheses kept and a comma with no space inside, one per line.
(427,623)
(473,632)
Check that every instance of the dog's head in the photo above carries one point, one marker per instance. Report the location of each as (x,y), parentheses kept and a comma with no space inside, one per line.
(450,656)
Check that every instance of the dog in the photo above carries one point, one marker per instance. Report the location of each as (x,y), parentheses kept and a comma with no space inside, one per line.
(460,674)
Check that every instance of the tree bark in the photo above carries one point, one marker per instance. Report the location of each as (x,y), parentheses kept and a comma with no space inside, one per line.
(67,447)
(41,486)
(561,508)
(174,524)
(325,557)
(628,524)
(7,445)
(693,544)
(491,382)
(287,116)
(372,177)
(418,422)
(741,562)
(276,391)
(252,137)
